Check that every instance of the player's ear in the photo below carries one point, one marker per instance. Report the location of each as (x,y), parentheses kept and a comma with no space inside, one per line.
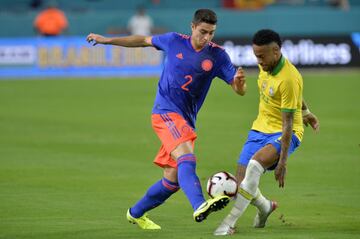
(192,26)
(276,49)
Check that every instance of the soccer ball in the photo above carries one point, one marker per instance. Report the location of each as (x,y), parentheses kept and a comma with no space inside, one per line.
(222,183)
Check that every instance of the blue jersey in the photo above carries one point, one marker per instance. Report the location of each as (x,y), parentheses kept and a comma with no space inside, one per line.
(187,74)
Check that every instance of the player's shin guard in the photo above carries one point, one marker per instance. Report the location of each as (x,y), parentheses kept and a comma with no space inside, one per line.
(155,196)
(247,191)
(189,181)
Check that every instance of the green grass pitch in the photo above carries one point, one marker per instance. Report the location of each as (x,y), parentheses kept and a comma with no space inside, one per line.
(75,154)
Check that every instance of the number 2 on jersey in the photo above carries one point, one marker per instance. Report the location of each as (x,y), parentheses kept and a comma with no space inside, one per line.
(184,86)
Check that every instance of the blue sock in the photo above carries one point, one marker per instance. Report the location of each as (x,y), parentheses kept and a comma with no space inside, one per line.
(189,181)
(155,196)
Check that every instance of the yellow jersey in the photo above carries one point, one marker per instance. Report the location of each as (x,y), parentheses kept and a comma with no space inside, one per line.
(280,91)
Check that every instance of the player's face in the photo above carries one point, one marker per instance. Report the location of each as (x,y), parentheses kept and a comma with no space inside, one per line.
(202,34)
(267,55)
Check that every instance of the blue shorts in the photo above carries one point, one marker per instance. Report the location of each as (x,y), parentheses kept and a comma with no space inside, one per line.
(257,140)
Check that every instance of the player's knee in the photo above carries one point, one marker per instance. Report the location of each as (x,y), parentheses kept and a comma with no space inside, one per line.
(267,156)
(182,149)
(171,174)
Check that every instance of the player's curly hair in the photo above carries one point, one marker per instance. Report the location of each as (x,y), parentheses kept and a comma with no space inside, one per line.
(266,36)
(205,15)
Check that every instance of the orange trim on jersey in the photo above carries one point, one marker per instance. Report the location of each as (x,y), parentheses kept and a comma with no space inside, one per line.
(212,44)
(183,35)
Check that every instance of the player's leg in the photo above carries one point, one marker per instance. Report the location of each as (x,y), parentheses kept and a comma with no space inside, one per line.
(264,205)
(187,177)
(265,210)
(156,195)
(178,138)
(250,183)
(161,190)
(262,159)
(254,143)
(240,173)
(178,141)
(268,157)
(190,183)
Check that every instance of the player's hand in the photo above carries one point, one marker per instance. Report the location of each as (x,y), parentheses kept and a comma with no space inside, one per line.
(96,39)
(280,172)
(312,120)
(239,83)
(240,76)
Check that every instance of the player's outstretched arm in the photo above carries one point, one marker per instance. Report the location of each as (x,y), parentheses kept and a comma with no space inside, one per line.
(309,118)
(239,82)
(127,41)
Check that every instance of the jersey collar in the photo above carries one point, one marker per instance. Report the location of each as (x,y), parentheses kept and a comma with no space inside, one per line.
(279,66)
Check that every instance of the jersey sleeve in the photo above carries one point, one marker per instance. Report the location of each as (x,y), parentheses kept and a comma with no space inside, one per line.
(226,70)
(162,42)
(289,90)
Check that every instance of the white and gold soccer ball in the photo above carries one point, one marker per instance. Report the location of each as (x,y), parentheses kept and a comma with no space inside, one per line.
(222,183)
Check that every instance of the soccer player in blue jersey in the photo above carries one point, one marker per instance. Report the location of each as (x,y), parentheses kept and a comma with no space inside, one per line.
(192,62)
(275,134)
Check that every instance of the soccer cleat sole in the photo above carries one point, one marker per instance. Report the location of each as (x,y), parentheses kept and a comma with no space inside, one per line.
(213,208)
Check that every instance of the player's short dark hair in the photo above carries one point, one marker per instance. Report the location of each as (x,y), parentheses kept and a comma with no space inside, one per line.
(266,36)
(205,15)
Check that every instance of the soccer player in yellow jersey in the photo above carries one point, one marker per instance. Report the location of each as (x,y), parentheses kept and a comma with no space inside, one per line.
(276,132)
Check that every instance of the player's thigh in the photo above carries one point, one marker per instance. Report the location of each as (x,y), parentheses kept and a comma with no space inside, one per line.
(267,156)
(182,149)
(275,141)
(176,135)
(254,142)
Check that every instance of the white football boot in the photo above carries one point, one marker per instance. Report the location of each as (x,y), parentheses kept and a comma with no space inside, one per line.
(261,217)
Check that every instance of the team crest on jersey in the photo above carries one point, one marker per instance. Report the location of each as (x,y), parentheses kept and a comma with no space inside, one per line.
(180,56)
(263,86)
(206,65)
(271,91)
